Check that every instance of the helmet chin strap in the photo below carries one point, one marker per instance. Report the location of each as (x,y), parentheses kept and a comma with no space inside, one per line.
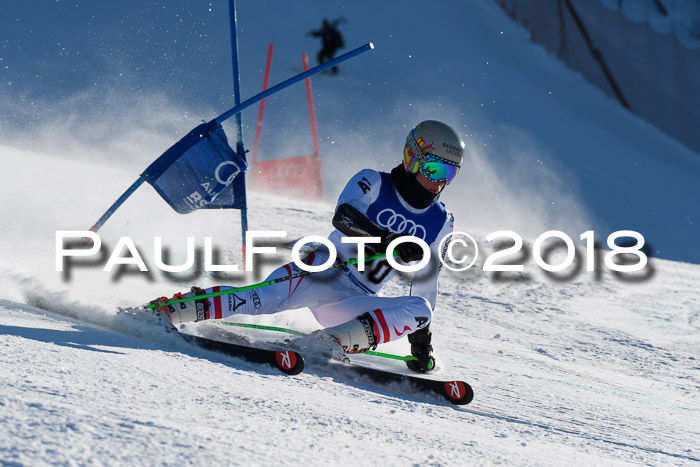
(410,190)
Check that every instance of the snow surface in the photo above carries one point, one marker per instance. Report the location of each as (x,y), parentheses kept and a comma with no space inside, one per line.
(583,367)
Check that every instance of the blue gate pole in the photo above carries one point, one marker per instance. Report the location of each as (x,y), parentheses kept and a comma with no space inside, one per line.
(236,110)
(116,204)
(294,79)
(238,124)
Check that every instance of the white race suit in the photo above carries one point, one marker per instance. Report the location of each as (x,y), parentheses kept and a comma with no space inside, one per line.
(336,296)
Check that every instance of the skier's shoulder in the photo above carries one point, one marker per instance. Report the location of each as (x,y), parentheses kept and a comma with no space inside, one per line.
(365,185)
(369,173)
(368,177)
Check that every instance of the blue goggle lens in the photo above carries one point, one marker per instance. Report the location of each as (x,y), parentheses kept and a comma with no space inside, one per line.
(437,169)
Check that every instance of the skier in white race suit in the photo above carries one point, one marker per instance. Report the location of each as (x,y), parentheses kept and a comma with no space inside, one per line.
(347,302)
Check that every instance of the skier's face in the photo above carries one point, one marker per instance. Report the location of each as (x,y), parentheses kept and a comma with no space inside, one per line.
(433,187)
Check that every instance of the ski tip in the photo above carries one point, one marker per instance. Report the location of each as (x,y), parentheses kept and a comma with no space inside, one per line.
(458,392)
(289,362)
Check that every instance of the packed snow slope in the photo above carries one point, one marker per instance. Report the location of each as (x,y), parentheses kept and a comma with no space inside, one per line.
(593,367)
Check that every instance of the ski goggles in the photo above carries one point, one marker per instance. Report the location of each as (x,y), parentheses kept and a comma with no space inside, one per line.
(435,168)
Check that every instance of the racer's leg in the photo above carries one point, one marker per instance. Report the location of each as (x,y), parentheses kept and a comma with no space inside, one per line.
(304,291)
(391,317)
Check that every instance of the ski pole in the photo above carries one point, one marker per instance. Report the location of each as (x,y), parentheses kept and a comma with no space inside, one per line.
(299,333)
(262,327)
(263,284)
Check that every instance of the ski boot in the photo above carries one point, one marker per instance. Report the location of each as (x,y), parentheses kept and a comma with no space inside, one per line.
(355,336)
(182,312)
(421,349)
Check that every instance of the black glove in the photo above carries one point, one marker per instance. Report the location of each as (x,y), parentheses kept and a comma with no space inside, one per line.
(408,251)
(421,349)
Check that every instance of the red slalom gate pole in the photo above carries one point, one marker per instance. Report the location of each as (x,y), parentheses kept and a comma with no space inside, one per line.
(309,94)
(314,133)
(258,128)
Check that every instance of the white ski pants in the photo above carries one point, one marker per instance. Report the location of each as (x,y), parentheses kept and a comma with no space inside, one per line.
(332,298)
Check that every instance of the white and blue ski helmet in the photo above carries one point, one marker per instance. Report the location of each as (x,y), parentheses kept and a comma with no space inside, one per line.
(434,149)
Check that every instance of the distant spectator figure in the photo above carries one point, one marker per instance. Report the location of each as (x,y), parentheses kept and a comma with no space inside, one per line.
(331,40)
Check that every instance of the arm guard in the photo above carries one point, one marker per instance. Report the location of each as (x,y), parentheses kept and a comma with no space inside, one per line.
(353,223)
